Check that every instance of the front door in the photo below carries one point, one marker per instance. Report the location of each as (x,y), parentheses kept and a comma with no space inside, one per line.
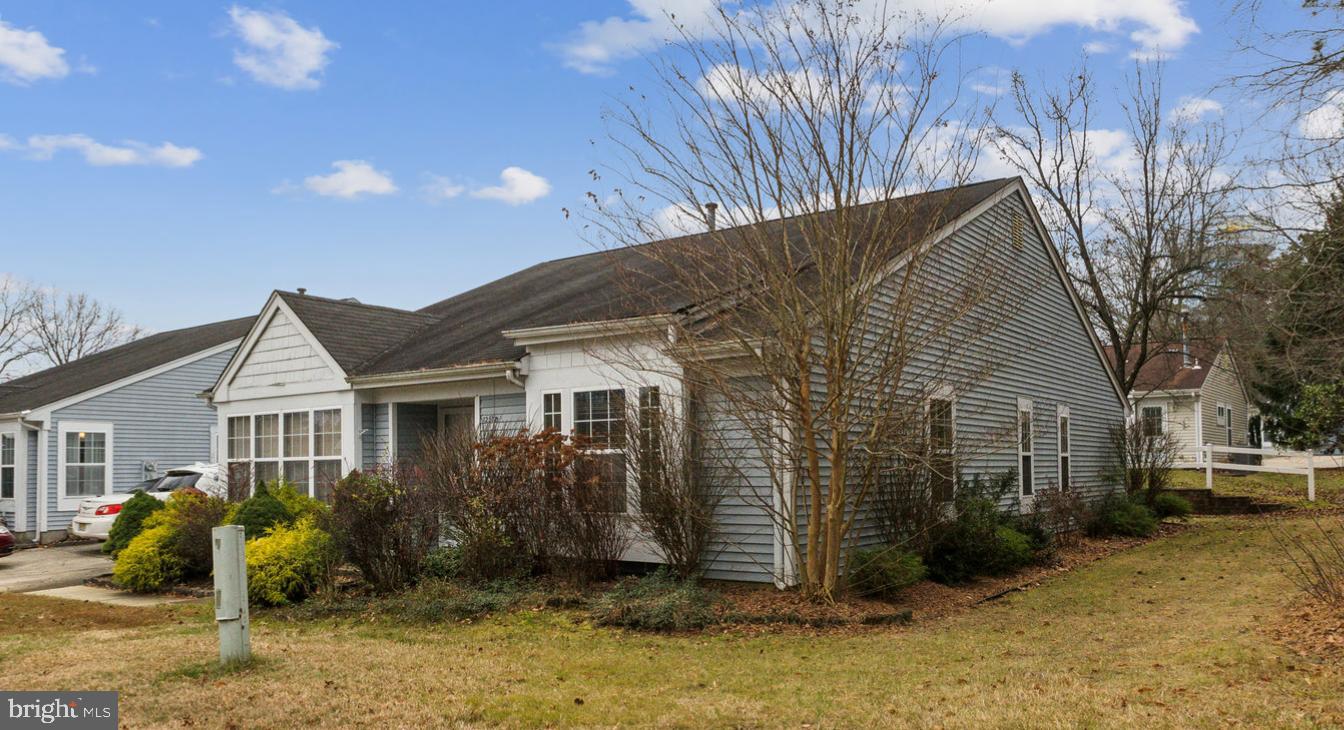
(456,419)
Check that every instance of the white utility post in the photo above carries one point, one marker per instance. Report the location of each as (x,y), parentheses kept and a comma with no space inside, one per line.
(1311,477)
(1208,467)
(235,638)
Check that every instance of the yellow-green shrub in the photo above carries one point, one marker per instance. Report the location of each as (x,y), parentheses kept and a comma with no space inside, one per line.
(148,563)
(288,563)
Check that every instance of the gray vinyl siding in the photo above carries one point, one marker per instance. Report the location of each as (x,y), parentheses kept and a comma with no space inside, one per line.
(504,413)
(1223,386)
(414,422)
(376,442)
(158,421)
(743,544)
(30,524)
(1039,350)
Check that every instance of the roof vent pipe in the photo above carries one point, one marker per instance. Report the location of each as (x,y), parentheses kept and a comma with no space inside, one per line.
(1185,340)
(302,291)
(711,210)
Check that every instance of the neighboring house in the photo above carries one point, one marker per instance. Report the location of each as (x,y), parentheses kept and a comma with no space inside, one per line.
(1194,392)
(321,386)
(106,422)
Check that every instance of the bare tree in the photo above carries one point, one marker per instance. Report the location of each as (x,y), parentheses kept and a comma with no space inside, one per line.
(811,324)
(16,306)
(66,327)
(1140,223)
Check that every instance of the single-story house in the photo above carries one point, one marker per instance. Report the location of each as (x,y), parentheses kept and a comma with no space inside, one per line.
(1193,391)
(323,385)
(107,422)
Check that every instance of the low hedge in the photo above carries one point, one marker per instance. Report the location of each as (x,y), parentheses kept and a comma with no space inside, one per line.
(656,602)
(289,563)
(1121,516)
(884,571)
(130,521)
(148,563)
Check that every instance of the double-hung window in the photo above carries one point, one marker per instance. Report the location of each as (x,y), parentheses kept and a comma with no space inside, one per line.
(301,447)
(650,451)
(599,421)
(85,461)
(1153,419)
(1225,420)
(1025,446)
(551,411)
(1065,449)
(8,464)
(942,434)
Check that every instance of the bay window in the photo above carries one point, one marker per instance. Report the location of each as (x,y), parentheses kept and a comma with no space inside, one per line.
(302,447)
(599,420)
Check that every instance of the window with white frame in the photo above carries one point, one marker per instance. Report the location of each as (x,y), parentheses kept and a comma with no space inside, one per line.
(942,435)
(8,464)
(85,456)
(551,411)
(1065,449)
(1025,448)
(650,446)
(1153,420)
(599,420)
(1225,420)
(302,447)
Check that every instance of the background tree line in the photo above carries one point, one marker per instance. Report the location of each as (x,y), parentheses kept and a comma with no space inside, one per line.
(42,327)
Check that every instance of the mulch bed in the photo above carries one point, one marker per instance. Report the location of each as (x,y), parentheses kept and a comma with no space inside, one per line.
(755,607)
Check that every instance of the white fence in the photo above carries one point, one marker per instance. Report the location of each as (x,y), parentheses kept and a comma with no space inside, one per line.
(1204,460)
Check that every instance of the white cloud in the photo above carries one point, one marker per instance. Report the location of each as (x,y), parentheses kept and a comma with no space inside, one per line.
(438,188)
(1194,108)
(352,179)
(280,52)
(1155,27)
(26,56)
(1097,47)
(167,154)
(1325,121)
(517,186)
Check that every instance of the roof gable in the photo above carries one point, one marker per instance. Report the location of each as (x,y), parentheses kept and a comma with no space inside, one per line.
(1165,368)
(63,382)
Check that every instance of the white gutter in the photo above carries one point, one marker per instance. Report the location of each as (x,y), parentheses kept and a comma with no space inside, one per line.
(436,375)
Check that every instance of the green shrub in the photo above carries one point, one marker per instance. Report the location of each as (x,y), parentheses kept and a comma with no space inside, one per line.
(1012,551)
(388,522)
(299,504)
(1119,515)
(1172,505)
(656,602)
(289,563)
(884,571)
(130,521)
(442,563)
(259,513)
(978,541)
(190,516)
(147,564)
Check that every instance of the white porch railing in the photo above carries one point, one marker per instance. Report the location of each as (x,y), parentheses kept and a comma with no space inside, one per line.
(1204,460)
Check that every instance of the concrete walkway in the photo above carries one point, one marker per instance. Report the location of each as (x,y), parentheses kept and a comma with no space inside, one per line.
(111,596)
(42,568)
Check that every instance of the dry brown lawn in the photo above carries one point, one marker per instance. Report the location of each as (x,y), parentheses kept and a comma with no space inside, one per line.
(1171,633)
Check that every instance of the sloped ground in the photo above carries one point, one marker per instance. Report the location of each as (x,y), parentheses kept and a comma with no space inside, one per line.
(1289,489)
(1177,632)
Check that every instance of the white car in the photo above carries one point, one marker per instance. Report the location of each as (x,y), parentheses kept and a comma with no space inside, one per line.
(96,514)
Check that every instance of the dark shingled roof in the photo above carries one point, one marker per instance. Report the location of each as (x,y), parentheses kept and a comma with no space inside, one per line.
(63,381)
(1165,369)
(352,332)
(588,288)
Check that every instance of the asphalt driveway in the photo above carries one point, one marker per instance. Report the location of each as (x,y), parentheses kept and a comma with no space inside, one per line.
(42,568)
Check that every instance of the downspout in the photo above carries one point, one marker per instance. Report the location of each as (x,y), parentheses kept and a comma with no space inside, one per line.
(511,375)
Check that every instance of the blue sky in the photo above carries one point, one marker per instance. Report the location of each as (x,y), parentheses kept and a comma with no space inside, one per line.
(180,160)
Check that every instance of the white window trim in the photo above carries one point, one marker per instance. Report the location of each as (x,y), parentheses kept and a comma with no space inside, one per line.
(281,459)
(631,499)
(541,422)
(1025,404)
(1062,435)
(20,476)
(1166,424)
(943,393)
(70,504)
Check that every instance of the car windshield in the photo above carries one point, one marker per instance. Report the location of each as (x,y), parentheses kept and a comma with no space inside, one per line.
(175,482)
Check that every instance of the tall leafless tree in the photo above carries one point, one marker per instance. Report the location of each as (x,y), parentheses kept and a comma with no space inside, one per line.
(1141,214)
(819,338)
(16,307)
(66,327)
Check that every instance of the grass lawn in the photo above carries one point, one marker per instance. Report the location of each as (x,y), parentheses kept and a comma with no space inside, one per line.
(1166,634)
(1269,487)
